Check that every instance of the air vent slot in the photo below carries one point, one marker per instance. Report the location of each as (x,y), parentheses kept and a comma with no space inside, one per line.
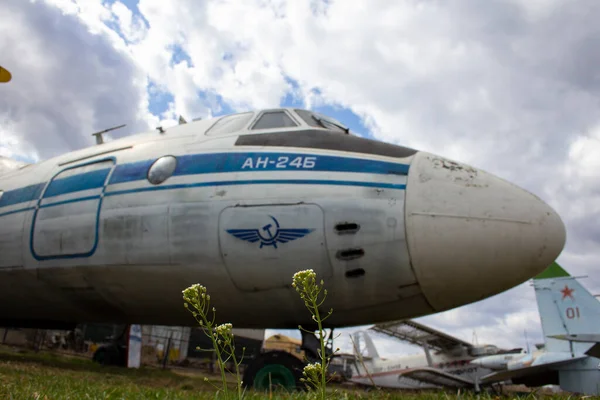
(350,254)
(347,228)
(355,273)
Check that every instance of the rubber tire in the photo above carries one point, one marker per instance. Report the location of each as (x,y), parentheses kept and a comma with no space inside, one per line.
(102,356)
(108,355)
(285,369)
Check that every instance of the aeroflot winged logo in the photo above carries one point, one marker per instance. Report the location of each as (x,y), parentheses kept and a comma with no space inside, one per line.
(269,234)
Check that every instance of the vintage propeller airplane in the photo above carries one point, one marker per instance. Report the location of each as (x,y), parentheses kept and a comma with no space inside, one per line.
(239,203)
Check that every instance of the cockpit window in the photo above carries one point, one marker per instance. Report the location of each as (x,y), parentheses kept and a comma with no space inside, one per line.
(230,124)
(321,121)
(274,119)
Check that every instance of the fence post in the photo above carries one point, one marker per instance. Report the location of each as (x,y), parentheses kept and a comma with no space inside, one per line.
(167,351)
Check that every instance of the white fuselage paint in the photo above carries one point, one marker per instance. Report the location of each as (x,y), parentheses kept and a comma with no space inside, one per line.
(124,249)
(387,372)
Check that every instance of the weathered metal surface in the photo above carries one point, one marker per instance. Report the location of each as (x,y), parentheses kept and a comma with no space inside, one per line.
(488,233)
(130,261)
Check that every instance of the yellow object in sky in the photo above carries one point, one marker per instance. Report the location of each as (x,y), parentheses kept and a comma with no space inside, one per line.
(5,76)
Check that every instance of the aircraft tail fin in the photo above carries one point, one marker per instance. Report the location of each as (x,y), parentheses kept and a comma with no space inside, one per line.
(568,311)
(366,347)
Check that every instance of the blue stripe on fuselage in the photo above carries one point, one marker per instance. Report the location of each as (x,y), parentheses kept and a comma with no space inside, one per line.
(77,183)
(260,182)
(195,164)
(17,211)
(21,195)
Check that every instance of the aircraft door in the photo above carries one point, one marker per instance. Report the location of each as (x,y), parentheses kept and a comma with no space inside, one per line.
(263,246)
(65,222)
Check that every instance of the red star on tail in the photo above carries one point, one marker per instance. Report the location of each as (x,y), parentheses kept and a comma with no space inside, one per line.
(567,292)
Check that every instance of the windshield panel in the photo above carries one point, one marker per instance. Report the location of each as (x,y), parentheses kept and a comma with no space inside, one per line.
(230,124)
(321,121)
(274,119)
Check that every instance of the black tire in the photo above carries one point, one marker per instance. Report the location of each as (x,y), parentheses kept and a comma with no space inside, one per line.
(101,356)
(109,355)
(284,368)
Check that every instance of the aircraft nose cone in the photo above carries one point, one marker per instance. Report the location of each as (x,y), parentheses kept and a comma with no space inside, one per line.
(477,362)
(472,235)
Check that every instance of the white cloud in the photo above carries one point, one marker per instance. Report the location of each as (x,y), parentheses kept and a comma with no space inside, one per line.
(511,87)
(67,82)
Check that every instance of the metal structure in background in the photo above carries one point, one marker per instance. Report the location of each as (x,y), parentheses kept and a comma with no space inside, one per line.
(432,340)
(420,335)
(162,346)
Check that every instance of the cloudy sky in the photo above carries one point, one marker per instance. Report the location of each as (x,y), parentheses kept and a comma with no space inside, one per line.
(510,86)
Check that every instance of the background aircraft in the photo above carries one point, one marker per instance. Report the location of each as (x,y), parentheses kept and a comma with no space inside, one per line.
(443,363)
(570,317)
(113,233)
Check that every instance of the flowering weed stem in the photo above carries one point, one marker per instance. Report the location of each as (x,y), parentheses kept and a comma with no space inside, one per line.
(221,336)
(305,284)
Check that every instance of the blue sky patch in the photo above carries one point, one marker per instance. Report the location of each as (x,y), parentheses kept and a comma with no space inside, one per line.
(342,114)
(19,157)
(346,117)
(132,5)
(178,55)
(158,100)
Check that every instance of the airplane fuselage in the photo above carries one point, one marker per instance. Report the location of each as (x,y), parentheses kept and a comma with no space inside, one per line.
(388,372)
(115,232)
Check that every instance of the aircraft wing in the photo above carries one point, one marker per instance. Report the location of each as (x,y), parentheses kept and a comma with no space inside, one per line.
(586,338)
(419,334)
(437,377)
(593,351)
(526,371)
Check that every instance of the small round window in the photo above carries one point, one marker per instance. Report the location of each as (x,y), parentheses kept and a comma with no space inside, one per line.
(161,169)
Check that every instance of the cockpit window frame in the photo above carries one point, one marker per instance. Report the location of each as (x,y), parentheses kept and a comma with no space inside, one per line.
(322,121)
(275,110)
(243,128)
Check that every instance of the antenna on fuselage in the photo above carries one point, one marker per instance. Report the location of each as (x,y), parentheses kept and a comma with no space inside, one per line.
(99,138)
(182,120)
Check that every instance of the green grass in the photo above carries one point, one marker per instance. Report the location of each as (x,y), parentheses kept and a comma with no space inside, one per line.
(28,375)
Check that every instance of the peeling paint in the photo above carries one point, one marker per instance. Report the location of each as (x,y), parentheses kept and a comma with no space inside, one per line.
(453,166)
(460,173)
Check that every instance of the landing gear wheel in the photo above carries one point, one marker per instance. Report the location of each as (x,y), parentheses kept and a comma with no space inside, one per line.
(279,368)
(110,355)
